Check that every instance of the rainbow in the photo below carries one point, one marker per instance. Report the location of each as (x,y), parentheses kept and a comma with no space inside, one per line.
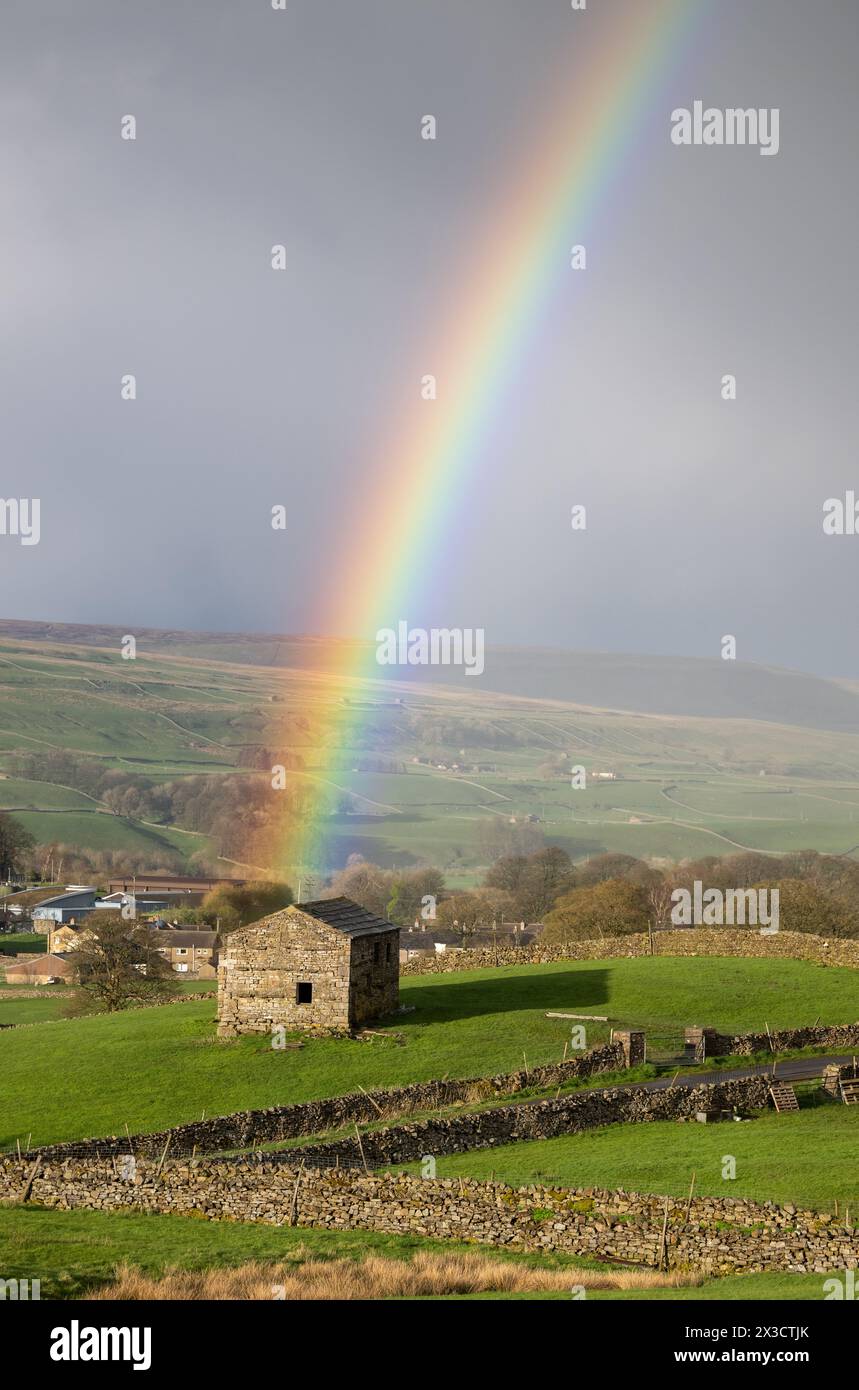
(567,169)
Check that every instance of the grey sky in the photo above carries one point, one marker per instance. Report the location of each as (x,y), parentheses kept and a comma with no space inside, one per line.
(256,387)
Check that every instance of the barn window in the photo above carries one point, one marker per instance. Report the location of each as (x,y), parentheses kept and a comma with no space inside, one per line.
(387,952)
(304,992)
(377,952)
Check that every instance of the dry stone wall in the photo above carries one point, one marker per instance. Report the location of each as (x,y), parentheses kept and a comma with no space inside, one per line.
(724,941)
(715,1235)
(843,1036)
(545,1119)
(246,1127)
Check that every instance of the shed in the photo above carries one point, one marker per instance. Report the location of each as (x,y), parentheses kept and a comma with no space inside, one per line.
(325,966)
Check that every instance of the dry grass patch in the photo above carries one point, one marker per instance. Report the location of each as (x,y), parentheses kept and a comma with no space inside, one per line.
(427,1275)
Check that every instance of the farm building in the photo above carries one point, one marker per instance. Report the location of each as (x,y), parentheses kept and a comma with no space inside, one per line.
(172,883)
(39,969)
(322,966)
(62,908)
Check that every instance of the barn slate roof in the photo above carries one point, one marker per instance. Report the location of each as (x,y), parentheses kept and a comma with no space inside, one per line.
(347,917)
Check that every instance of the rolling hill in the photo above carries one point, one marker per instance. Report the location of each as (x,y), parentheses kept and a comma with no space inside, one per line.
(669,685)
(705,757)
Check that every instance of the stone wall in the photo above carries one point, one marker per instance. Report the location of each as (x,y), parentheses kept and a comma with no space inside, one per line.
(690,941)
(246,1127)
(715,1235)
(406,1143)
(374,977)
(544,1119)
(20,993)
(836,1037)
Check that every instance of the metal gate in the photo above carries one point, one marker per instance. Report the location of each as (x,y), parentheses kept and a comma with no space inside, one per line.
(668,1047)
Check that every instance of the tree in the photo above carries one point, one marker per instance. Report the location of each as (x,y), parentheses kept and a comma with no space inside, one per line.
(604,866)
(464,912)
(467,912)
(613,908)
(499,837)
(533,881)
(235,905)
(16,844)
(549,874)
(805,907)
(409,890)
(743,870)
(366,884)
(396,895)
(117,963)
(506,873)
(657,893)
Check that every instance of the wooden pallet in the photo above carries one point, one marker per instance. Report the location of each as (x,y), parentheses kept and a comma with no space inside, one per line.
(850,1091)
(783,1096)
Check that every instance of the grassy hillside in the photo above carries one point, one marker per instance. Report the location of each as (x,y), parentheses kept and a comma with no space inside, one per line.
(11,943)
(822,1142)
(687,785)
(152,1068)
(20,1004)
(668,685)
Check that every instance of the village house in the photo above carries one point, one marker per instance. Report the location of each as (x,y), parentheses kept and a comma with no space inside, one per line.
(325,966)
(420,941)
(192,952)
(64,938)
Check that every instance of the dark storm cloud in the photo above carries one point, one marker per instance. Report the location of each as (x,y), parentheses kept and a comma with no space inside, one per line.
(256,127)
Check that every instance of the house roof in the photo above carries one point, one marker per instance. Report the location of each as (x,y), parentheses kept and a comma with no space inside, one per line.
(346,917)
(66,899)
(151,895)
(40,963)
(171,937)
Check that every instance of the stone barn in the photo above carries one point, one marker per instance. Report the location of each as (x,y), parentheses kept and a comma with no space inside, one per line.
(325,966)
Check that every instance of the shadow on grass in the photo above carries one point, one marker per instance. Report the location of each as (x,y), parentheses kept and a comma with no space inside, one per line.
(563,990)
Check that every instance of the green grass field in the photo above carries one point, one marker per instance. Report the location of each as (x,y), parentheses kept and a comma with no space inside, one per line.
(822,1142)
(687,785)
(11,943)
(49,1004)
(75,1252)
(50,1001)
(152,1068)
